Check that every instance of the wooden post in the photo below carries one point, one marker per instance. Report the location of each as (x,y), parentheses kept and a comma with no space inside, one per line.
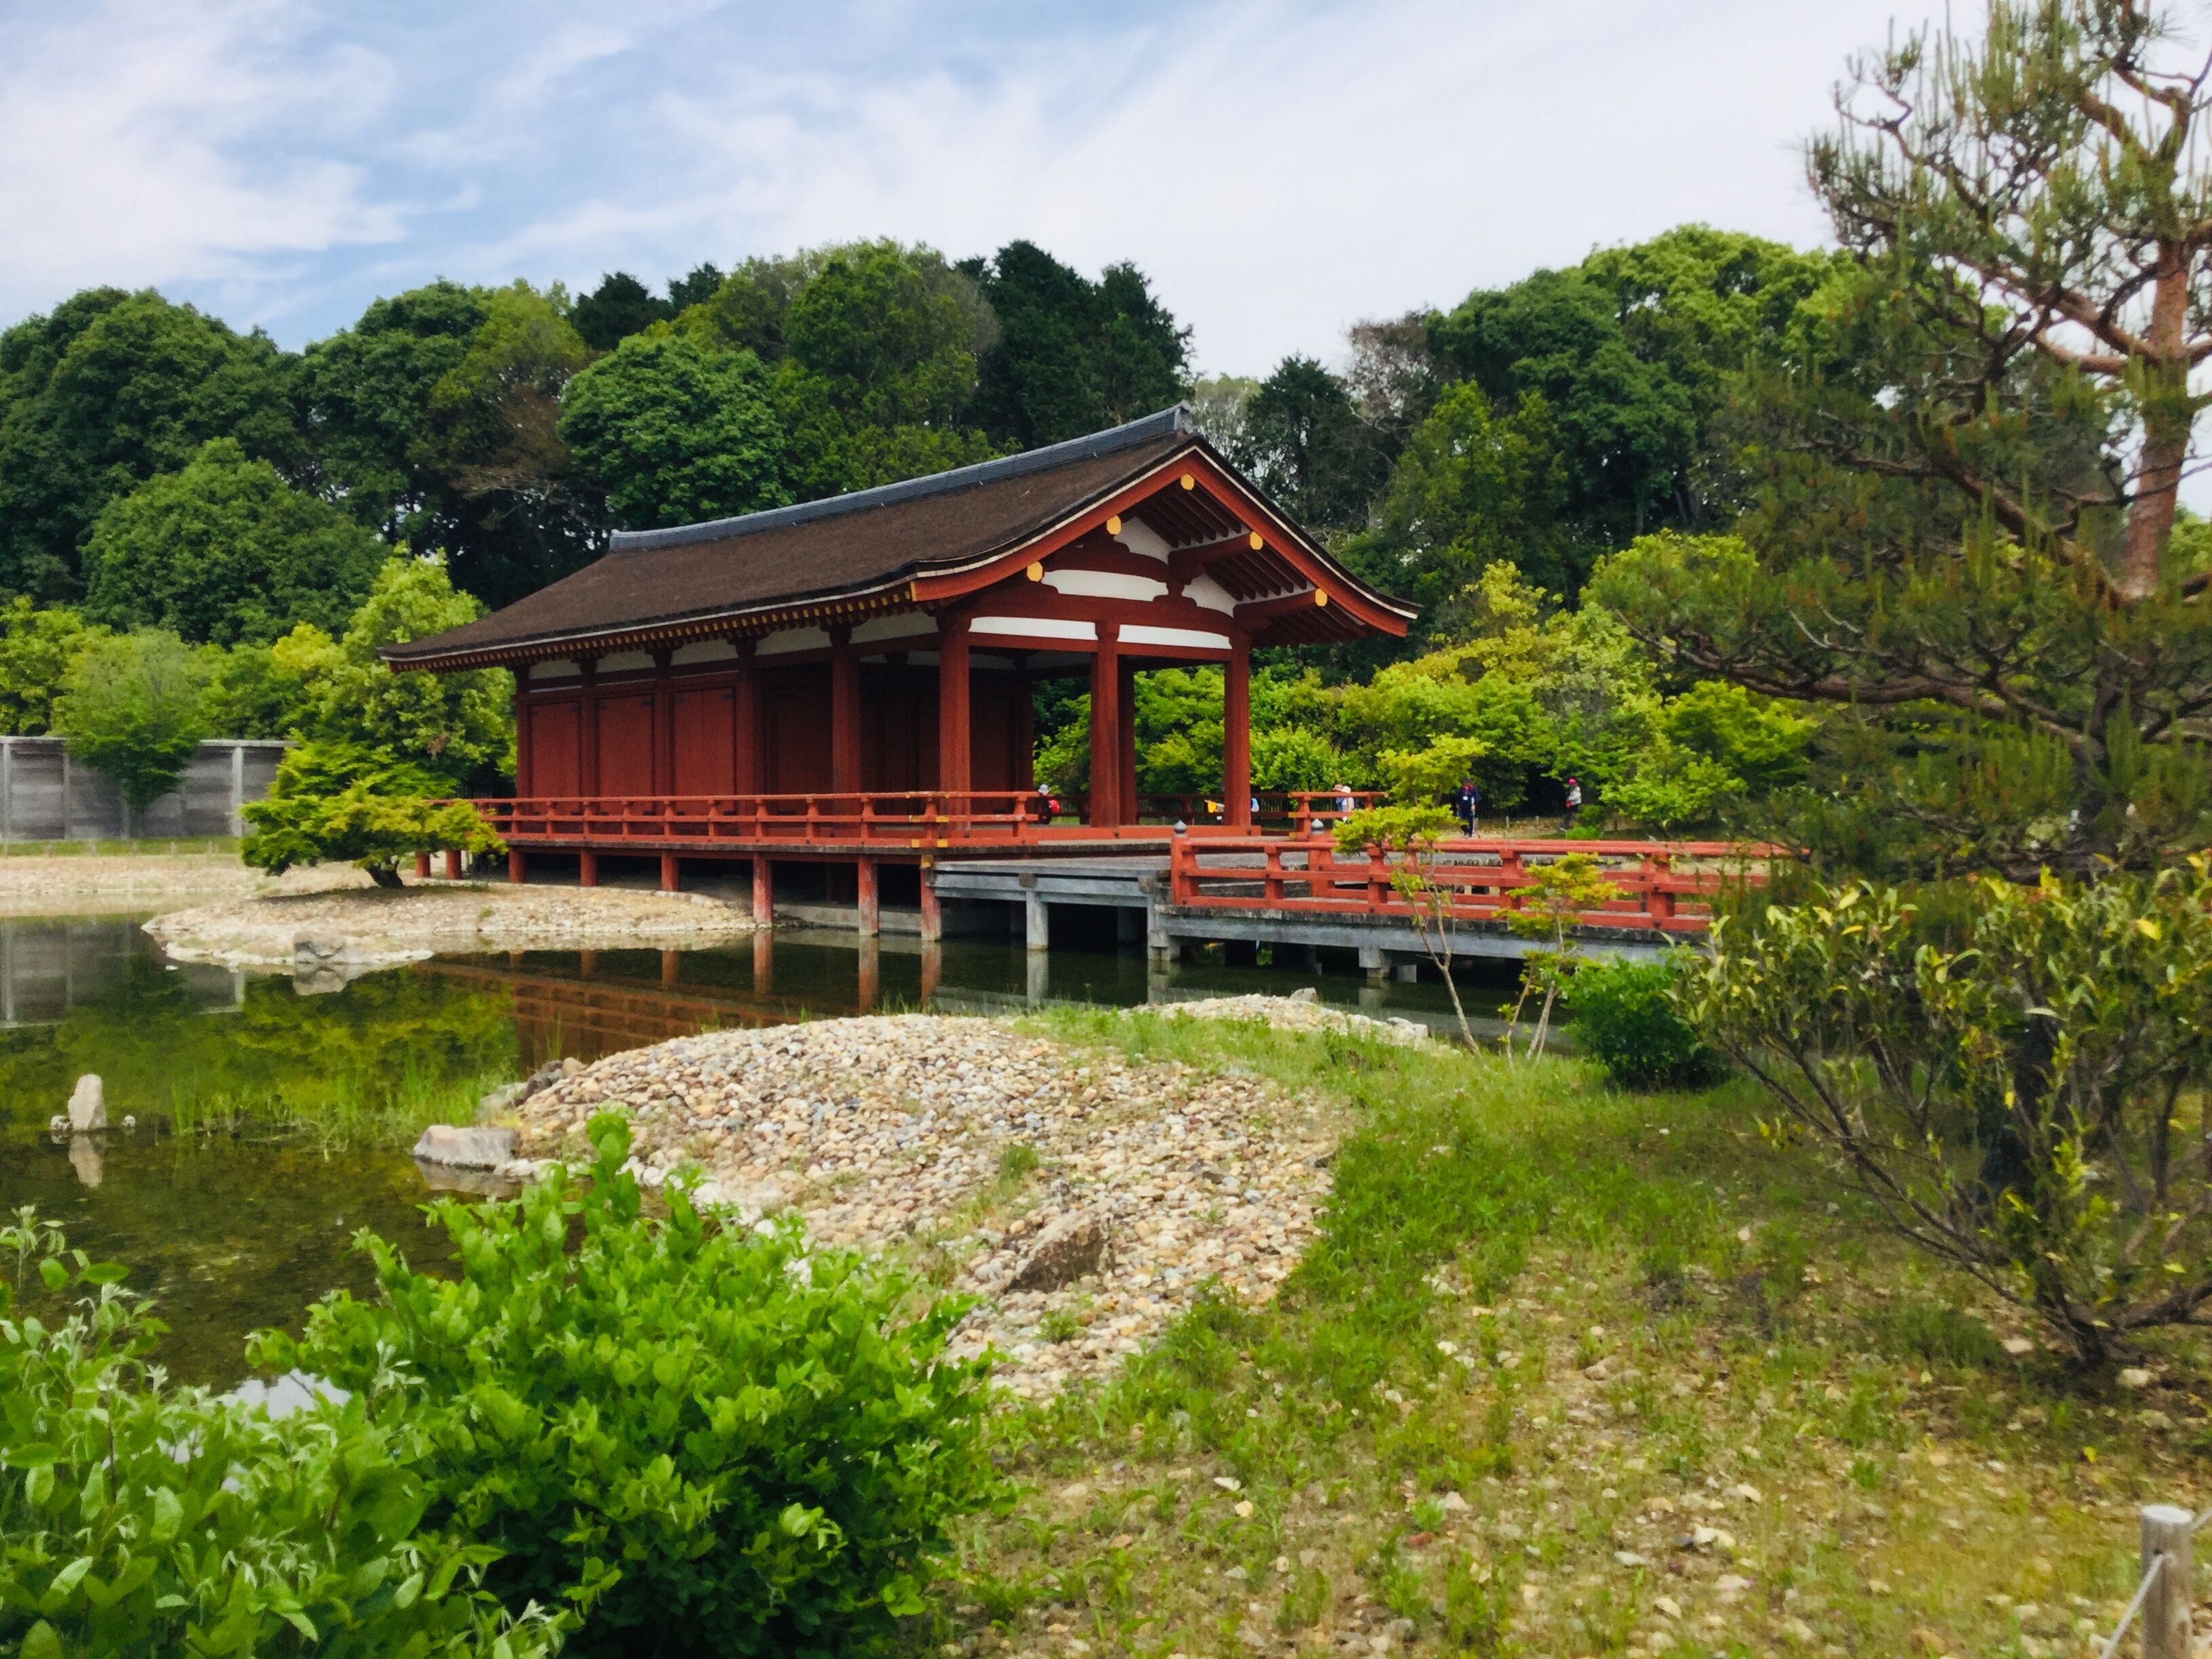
(516,872)
(670,882)
(933,909)
(1125,722)
(587,869)
(763,963)
(844,714)
(452,864)
(932,965)
(745,725)
(763,892)
(669,972)
(2166,1532)
(1105,734)
(664,726)
(588,728)
(955,720)
(867,910)
(421,867)
(869,974)
(1236,734)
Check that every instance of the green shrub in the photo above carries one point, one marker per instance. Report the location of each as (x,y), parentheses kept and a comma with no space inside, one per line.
(139,1519)
(335,800)
(1625,1016)
(706,1440)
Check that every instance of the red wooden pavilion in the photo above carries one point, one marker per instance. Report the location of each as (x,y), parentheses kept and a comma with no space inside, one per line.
(852,677)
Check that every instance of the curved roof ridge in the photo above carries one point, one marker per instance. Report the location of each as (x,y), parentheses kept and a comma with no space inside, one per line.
(1093,445)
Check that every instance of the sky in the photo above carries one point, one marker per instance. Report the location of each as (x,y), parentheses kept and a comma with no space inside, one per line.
(1280,171)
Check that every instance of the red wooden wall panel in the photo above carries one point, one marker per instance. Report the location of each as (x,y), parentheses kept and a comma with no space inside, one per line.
(795,705)
(626,746)
(547,765)
(705,760)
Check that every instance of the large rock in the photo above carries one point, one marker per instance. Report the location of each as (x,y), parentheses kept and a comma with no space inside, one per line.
(473,1148)
(1064,1252)
(88,1106)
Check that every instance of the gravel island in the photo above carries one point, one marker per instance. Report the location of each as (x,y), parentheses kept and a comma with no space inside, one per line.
(346,921)
(1083,1199)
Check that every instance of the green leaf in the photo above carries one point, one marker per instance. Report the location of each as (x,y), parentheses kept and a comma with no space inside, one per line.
(41,1642)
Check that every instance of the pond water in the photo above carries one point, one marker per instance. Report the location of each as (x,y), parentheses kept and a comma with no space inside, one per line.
(257,1152)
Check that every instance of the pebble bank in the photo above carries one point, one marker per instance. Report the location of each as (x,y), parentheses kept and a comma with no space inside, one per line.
(1084,1199)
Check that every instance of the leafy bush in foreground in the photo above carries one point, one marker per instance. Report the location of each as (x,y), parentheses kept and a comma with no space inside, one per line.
(705,1440)
(139,1519)
(1626,1017)
(2016,1082)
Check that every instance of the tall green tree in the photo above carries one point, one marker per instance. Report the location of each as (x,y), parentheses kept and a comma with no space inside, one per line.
(1072,355)
(104,392)
(619,307)
(1303,441)
(1967,533)
(131,709)
(225,551)
(673,431)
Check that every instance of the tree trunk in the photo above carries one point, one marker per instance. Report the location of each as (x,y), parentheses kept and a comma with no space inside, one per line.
(2168,414)
(385,875)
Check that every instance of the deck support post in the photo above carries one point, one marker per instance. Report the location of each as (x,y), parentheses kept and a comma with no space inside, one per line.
(421,867)
(932,965)
(869,974)
(1374,963)
(1237,733)
(587,869)
(517,871)
(670,882)
(763,963)
(763,892)
(1036,922)
(954,723)
(1106,812)
(670,974)
(452,864)
(933,908)
(844,714)
(867,910)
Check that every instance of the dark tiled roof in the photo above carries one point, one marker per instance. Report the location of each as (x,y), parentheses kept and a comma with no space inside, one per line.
(845,547)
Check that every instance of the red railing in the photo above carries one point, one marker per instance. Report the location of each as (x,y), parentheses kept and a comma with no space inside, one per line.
(1666,886)
(1293,809)
(885,818)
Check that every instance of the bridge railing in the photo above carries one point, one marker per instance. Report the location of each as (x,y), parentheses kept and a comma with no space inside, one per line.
(826,819)
(1664,886)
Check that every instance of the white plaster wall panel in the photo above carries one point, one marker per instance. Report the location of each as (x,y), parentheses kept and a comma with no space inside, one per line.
(563,670)
(1105,584)
(704,650)
(1033,627)
(1143,540)
(1202,589)
(913,625)
(1188,638)
(795,639)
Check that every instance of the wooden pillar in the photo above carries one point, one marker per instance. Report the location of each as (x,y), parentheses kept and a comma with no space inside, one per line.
(868,910)
(763,963)
(933,966)
(1024,733)
(844,714)
(452,864)
(1236,733)
(933,908)
(870,974)
(587,869)
(517,872)
(421,867)
(1124,720)
(1105,732)
(670,973)
(670,882)
(745,725)
(664,727)
(587,729)
(763,892)
(954,724)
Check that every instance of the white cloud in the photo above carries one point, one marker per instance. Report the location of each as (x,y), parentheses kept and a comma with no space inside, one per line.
(125,130)
(1278,171)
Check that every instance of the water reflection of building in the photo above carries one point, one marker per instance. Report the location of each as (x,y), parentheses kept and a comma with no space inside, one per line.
(48,967)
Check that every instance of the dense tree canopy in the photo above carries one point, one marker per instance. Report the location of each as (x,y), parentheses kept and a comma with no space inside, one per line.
(225,550)
(100,395)
(673,431)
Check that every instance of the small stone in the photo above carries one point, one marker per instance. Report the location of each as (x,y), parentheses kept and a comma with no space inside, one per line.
(1747,1492)
(572,1067)
(88,1105)
(1245,1510)
(476,1148)
(1066,1250)
(2134,1376)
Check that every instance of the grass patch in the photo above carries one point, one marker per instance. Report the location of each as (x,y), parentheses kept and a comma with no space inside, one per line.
(148,846)
(1570,1371)
(347,1111)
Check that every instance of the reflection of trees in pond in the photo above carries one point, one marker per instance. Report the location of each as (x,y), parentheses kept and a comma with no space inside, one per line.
(360,1064)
